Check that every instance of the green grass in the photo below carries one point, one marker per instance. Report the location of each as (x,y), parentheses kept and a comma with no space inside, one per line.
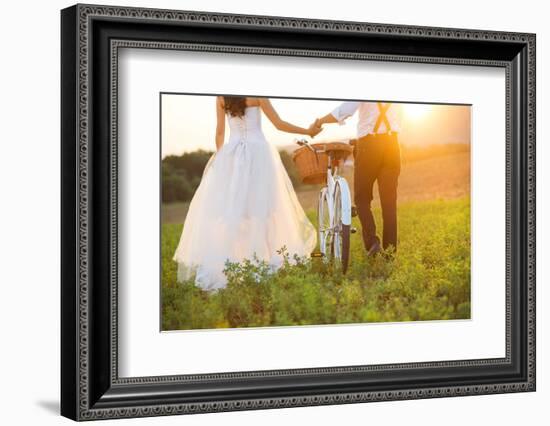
(428,279)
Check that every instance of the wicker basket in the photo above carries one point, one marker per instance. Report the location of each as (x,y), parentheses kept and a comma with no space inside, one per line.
(312,164)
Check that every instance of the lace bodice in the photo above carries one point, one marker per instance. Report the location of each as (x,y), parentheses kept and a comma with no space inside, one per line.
(242,128)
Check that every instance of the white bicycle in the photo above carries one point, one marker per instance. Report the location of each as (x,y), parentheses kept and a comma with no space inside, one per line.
(334,211)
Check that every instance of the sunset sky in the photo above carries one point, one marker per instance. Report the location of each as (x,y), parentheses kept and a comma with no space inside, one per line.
(189,123)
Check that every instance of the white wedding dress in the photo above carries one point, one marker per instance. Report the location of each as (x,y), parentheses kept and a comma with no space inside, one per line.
(245,206)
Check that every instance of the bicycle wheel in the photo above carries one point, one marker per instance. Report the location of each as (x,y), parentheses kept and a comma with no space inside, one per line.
(323,223)
(340,244)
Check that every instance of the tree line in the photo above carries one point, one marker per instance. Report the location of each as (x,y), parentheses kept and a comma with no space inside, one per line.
(181,174)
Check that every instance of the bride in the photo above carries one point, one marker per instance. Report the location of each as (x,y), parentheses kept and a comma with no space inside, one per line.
(245,205)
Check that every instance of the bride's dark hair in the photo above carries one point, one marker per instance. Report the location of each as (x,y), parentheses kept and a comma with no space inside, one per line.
(234,105)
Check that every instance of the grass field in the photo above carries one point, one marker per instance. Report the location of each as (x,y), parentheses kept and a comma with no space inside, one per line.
(428,279)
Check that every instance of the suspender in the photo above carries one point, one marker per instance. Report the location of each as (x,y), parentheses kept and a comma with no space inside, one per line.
(382,117)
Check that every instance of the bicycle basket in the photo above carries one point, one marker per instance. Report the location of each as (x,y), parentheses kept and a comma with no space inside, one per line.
(312,164)
(312,161)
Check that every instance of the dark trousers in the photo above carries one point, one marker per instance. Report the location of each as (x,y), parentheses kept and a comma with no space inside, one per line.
(377,159)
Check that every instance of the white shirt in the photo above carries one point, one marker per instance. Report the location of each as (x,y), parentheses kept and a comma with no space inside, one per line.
(368,115)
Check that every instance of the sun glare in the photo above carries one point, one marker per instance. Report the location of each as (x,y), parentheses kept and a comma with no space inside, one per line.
(416,112)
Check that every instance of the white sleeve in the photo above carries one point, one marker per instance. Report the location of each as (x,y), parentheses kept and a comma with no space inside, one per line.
(344,110)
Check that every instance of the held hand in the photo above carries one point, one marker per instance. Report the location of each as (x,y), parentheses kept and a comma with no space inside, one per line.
(315,128)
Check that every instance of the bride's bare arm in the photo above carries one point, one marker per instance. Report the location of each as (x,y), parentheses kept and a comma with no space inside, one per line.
(282,125)
(220,123)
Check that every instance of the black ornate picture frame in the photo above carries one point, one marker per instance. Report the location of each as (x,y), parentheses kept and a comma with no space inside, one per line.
(90,385)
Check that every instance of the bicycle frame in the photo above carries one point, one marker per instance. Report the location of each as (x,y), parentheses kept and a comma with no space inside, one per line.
(336,198)
(334,179)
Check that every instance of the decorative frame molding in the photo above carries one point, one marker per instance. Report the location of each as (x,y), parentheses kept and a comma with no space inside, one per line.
(85,397)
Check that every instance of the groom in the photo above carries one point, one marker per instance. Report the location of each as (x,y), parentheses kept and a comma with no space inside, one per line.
(377,159)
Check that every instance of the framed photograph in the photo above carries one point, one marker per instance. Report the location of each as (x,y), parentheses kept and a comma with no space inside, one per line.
(264,212)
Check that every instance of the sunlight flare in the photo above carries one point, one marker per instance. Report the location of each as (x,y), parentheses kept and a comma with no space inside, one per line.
(415,112)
